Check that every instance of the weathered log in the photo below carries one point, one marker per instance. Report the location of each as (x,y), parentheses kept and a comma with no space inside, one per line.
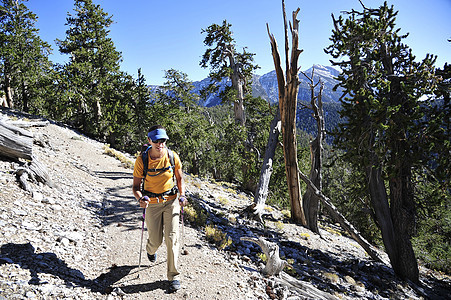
(15,142)
(28,124)
(33,171)
(303,288)
(274,264)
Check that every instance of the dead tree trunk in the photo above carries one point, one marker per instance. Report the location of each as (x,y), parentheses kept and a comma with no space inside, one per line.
(265,174)
(288,92)
(15,142)
(338,217)
(310,200)
(274,264)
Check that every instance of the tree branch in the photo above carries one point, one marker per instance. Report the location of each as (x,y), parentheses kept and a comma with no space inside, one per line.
(337,216)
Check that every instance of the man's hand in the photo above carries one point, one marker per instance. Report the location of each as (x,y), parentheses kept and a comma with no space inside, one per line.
(183,201)
(144,201)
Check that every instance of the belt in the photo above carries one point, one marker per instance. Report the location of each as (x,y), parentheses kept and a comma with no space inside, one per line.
(162,199)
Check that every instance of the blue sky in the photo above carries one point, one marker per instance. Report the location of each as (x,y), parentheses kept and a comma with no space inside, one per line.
(158,35)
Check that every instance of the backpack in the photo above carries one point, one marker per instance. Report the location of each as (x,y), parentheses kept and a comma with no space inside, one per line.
(145,158)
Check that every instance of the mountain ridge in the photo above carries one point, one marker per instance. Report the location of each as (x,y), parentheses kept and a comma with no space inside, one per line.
(266,86)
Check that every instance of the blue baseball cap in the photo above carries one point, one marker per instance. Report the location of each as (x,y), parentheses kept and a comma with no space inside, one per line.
(157,134)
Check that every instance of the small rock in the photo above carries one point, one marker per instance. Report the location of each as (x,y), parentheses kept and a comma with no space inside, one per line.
(37,196)
(48,200)
(20,212)
(65,241)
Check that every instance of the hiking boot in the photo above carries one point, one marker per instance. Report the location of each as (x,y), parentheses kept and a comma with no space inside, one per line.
(174,286)
(152,257)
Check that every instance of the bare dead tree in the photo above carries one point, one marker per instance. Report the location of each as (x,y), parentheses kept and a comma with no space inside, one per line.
(261,193)
(288,91)
(310,200)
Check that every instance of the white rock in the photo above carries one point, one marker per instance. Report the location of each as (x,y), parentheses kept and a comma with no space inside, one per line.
(65,242)
(38,196)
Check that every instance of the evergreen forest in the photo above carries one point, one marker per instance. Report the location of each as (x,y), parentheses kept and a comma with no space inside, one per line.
(393,119)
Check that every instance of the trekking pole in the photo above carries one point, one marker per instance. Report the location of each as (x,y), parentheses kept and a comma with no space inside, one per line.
(142,233)
(184,252)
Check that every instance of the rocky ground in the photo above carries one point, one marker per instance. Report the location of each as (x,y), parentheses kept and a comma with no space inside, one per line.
(79,238)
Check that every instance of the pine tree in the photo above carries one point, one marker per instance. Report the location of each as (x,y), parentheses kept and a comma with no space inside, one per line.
(227,63)
(384,130)
(141,95)
(175,107)
(93,69)
(24,60)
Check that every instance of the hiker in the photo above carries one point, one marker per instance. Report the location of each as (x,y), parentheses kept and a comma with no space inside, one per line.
(158,196)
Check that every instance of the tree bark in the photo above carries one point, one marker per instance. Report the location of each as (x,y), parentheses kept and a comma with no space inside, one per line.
(403,215)
(15,142)
(274,264)
(310,200)
(7,87)
(261,193)
(238,105)
(288,92)
(237,85)
(402,201)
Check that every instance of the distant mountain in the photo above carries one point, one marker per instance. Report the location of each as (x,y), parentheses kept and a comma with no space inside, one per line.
(266,87)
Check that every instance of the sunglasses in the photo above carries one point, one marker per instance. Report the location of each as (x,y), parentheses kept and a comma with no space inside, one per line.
(159,141)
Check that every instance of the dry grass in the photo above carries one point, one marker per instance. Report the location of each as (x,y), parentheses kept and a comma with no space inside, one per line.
(217,237)
(127,163)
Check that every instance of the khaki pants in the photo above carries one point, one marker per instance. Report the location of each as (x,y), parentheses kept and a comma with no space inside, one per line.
(163,218)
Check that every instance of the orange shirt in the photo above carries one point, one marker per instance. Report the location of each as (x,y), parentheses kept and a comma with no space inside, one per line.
(160,183)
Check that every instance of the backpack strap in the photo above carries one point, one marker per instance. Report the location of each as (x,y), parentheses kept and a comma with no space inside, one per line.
(145,158)
(171,158)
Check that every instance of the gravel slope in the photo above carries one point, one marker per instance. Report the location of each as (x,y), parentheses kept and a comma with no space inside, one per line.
(80,239)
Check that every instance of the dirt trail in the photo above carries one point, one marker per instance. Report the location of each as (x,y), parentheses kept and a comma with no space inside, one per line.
(205,273)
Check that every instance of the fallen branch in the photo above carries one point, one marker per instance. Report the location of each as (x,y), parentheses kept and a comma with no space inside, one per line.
(338,217)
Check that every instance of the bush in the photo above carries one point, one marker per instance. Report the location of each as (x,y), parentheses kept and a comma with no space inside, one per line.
(217,237)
